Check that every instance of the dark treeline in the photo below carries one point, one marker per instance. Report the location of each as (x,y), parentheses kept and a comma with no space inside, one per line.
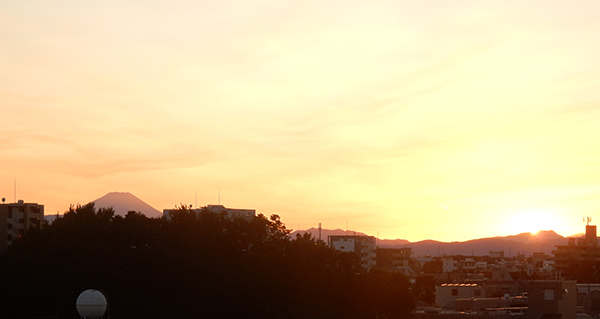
(205,266)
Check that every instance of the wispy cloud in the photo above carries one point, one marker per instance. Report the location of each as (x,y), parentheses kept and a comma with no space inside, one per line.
(368,111)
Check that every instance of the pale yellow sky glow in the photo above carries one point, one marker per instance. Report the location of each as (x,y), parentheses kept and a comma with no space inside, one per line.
(446,120)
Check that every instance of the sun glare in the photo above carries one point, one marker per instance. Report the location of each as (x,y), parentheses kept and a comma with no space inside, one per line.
(531,221)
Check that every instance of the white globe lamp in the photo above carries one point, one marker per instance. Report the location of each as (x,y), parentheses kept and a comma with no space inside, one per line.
(91,304)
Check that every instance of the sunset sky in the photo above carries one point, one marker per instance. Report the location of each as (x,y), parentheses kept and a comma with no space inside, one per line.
(446,120)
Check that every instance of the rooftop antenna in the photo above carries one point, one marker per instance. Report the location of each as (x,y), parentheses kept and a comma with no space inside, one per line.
(588,220)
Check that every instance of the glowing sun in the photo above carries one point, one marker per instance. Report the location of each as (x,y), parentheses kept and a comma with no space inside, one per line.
(532,221)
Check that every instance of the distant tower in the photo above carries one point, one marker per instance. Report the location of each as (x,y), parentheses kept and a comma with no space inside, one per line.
(319,231)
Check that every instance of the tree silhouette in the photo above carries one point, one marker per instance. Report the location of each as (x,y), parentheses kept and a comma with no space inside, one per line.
(194,265)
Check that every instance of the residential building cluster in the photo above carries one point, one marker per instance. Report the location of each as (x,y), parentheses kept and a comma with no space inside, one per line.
(533,286)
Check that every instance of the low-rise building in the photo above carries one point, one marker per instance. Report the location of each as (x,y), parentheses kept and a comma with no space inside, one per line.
(446,294)
(449,265)
(551,299)
(467,265)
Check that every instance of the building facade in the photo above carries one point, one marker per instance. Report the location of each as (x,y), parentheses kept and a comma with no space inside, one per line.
(363,246)
(551,299)
(395,260)
(446,294)
(16,218)
(449,265)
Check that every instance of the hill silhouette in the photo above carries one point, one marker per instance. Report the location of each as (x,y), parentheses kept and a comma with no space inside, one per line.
(524,243)
(122,202)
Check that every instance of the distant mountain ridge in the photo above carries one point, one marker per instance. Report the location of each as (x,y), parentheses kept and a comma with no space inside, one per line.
(524,243)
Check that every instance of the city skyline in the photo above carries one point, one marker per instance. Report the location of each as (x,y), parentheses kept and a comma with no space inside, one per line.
(430,120)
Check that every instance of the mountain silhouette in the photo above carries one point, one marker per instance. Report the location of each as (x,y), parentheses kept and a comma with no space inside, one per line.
(122,202)
(524,243)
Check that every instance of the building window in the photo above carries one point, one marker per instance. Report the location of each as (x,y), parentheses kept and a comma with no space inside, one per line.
(477,293)
(548,294)
(10,237)
(10,226)
(454,292)
(10,214)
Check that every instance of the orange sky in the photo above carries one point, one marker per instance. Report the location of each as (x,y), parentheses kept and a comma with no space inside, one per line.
(446,120)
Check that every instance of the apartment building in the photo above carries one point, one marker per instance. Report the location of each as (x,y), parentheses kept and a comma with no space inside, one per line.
(578,254)
(364,246)
(16,218)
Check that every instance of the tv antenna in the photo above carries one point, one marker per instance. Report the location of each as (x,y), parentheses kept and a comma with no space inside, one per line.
(587,219)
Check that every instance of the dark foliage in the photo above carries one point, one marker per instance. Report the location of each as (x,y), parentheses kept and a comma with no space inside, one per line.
(424,289)
(192,266)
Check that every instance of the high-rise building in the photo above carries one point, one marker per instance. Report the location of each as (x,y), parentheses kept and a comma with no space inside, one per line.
(16,218)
